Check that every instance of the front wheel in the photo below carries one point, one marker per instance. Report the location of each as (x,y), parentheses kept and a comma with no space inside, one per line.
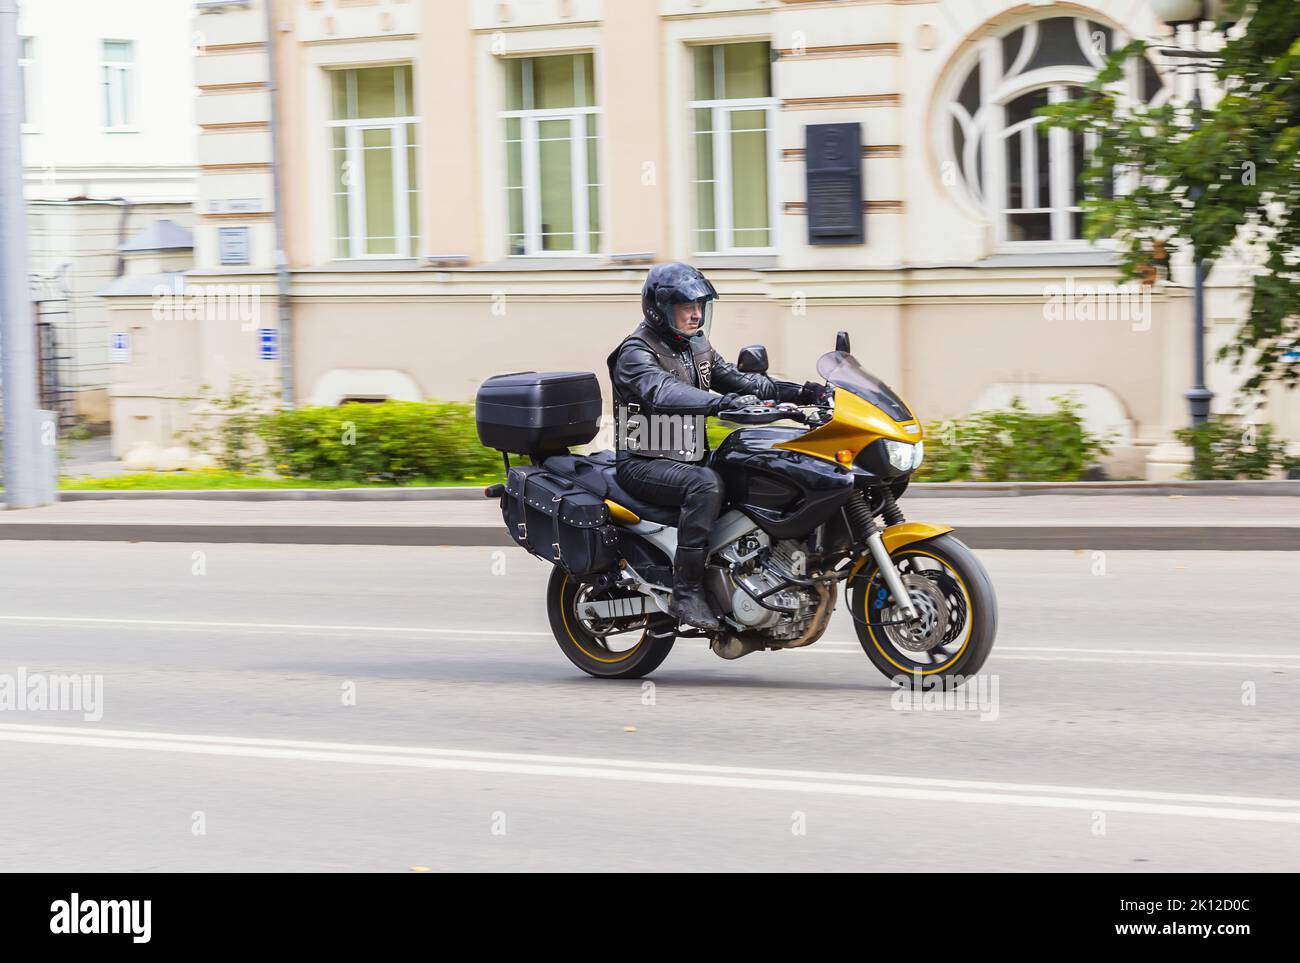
(614,648)
(958,609)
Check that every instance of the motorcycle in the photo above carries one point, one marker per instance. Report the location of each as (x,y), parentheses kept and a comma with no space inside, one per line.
(810,506)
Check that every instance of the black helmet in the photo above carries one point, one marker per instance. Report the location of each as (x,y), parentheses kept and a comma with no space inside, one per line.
(670,284)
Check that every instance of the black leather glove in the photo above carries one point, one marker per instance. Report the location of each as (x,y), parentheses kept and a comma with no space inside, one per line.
(813,393)
(733,400)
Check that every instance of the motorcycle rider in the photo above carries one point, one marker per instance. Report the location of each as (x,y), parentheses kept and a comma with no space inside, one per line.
(666,367)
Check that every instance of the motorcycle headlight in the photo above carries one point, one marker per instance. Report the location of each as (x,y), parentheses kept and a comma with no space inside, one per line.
(918,455)
(903,455)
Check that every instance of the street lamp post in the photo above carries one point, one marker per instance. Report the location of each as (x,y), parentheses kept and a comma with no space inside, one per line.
(1198,396)
(1192,13)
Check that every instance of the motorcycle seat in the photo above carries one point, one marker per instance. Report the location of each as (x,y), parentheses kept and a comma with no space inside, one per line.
(597,474)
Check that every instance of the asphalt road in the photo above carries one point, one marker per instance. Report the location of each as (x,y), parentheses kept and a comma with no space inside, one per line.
(354,708)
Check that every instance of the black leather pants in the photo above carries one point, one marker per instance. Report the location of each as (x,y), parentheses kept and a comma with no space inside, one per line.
(698,489)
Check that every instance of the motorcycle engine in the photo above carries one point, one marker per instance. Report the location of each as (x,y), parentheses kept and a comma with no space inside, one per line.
(759,565)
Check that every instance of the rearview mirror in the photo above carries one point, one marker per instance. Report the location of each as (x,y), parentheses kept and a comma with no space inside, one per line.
(753,359)
(842,341)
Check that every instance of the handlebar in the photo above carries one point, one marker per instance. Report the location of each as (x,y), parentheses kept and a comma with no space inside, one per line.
(763,414)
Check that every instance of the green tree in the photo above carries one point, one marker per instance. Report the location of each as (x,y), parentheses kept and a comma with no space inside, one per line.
(1226,180)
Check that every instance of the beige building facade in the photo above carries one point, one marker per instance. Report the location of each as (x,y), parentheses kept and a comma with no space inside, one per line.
(108,150)
(472,186)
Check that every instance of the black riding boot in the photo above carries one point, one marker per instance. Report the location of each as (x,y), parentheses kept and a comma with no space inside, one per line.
(689,604)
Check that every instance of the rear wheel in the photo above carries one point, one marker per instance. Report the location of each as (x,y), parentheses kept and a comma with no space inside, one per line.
(959,615)
(613,648)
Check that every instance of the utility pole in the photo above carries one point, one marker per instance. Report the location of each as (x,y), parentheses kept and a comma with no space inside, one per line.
(23,454)
(284,310)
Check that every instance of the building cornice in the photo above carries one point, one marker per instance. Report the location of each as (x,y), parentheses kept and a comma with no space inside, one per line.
(917,284)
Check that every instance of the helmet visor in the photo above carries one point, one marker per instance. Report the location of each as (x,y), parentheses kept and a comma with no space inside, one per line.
(706,321)
(698,291)
(695,288)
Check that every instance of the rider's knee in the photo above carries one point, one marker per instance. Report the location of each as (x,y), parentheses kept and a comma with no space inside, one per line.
(707,483)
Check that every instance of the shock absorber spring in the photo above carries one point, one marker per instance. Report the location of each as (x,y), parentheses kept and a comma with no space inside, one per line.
(893,515)
(859,517)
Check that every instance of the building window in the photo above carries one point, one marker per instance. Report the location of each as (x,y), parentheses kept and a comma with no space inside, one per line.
(552,133)
(27,80)
(732,117)
(373,145)
(1027,177)
(116,69)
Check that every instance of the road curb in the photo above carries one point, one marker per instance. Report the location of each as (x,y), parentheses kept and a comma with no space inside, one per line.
(273,534)
(1235,538)
(448,493)
(919,489)
(1166,489)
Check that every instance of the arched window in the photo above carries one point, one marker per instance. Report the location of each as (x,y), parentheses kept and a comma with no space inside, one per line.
(1024,176)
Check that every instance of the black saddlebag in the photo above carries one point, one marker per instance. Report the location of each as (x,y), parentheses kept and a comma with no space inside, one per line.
(558,521)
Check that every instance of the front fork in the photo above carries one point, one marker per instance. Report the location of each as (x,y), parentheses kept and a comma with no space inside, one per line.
(885,564)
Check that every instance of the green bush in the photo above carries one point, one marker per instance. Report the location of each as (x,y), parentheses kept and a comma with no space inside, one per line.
(1222,449)
(1013,444)
(945,459)
(392,441)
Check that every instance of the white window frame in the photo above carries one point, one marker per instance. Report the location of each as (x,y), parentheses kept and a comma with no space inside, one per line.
(530,160)
(1062,202)
(27,73)
(998,88)
(720,111)
(354,156)
(125,71)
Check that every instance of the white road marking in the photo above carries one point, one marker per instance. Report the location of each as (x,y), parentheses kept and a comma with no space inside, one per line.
(1103,661)
(1013,653)
(533,633)
(1181,657)
(1190,805)
(274,626)
(1194,653)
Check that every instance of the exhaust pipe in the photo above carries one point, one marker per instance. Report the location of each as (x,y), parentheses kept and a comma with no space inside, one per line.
(733,647)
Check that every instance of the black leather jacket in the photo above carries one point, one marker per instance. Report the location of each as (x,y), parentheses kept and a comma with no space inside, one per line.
(661,375)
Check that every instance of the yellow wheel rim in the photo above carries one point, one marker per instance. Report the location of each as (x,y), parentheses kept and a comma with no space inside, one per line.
(871,630)
(564,617)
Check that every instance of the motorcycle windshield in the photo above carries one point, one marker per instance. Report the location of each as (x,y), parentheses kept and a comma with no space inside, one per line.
(843,370)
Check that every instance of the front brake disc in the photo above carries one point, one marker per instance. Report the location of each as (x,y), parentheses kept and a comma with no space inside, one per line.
(927,630)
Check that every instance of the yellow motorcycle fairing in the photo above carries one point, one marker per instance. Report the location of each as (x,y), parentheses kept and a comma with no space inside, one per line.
(900,536)
(855,423)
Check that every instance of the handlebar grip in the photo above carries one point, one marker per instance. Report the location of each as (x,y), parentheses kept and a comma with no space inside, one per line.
(761,414)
